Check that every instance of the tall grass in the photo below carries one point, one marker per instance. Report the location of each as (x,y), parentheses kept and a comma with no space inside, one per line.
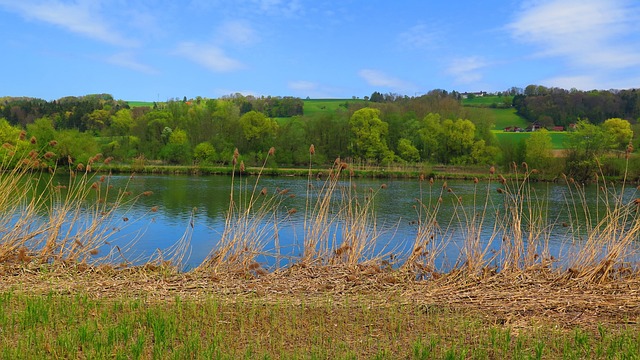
(503,226)
(75,223)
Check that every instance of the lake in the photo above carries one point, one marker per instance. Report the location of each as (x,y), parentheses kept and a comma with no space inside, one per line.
(197,206)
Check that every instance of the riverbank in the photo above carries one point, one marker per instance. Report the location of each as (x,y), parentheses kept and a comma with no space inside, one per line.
(313,312)
(443,172)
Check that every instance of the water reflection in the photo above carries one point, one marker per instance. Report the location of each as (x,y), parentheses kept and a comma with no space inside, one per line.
(200,203)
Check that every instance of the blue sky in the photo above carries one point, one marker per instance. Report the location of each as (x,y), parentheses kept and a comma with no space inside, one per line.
(157,50)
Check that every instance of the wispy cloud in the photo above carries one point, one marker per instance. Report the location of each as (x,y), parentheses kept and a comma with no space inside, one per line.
(210,56)
(380,79)
(80,17)
(237,32)
(418,37)
(312,89)
(127,60)
(594,34)
(467,70)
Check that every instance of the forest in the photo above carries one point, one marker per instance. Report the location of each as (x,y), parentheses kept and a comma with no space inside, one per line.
(384,129)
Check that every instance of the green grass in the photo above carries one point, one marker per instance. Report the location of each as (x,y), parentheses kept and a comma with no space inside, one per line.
(486,101)
(557,138)
(508,117)
(140,103)
(80,326)
(312,106)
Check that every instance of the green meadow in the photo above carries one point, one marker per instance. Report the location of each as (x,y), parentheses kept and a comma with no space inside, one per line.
(134,104)
(557,138)
(487,101)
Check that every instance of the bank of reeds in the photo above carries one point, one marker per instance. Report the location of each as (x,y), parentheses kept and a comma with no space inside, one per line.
(502,227)
(77,223)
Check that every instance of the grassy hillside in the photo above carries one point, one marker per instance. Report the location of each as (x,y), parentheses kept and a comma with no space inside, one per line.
(557,138)
(312,106)
(140,103)
(508,117)
(487,101)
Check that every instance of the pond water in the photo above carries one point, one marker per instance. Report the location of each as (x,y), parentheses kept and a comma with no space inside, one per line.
(199,204)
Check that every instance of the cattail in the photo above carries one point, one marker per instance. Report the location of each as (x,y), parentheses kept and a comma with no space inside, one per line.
(383,186)
(98,156)
(236,153)
(89,168)
(7,146)
(337,161)
(475,180)
(23,135)
(33,140)
(108,160)
(49,155)
(242,166)
(102,178)
(33,154)
(94,252)
(431,181)
(125,219)
(312,150)
(502,180)
(500,191)
(147,193)
(154,209)
(449,190)
(444,185)
(421,177)
(525,165)
(53,143)
(284,191)
(492,170)
(272,151)
(94,185)
(263,191)
(292,211)
(343,165)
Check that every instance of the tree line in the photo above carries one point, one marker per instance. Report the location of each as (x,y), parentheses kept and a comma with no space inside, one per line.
(555,106)
(432,128)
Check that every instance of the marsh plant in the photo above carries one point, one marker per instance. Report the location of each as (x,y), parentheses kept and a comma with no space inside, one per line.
(45,222)
(504,226)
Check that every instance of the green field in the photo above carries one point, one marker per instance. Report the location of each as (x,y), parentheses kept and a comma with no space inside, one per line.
(312,106)
(486,101)
(557,138)
(140,103)
(508,117)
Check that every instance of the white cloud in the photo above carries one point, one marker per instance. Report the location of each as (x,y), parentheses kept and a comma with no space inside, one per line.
(209,56)
(80,17)
(418,37)
(237,32)
(378,78)
(594,34)
(303,85)
(467,70)
(127,60)
(313,90)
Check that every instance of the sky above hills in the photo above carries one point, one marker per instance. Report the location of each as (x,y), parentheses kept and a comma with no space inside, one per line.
(157,50)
